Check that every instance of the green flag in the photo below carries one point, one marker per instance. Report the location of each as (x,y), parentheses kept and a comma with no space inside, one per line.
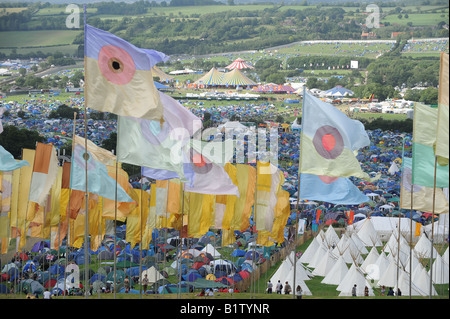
(424,137)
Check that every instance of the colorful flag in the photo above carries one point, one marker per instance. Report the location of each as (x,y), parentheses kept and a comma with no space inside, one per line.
(98,180)
(151,144)
(422,196)
(7,161)
(281,215)
(209,178)
(118,76)
(335,190)
(6,179)
(423,159)
(318,213)
(268,183)
(442,145)
(351,217)
(45,171)
(329,140)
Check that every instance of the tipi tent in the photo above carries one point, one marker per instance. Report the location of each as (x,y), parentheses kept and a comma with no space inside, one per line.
(336,273)
(209,249)
(320,252)
(423,247)
(309,253)
(331,237)
(354,276)
(325,264)
(440,271)
(367,233)
(371,258)
(153,275)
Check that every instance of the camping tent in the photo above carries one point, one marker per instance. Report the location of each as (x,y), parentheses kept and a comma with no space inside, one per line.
(336,273)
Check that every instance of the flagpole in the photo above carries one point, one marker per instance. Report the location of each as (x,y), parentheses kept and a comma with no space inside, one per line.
(432,227)
(298,200)
(140,244)
(86,255)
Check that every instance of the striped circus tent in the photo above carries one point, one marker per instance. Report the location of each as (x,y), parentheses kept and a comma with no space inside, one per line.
(213,77)
(163,77)
(239,64)
(273,88)
(236,78)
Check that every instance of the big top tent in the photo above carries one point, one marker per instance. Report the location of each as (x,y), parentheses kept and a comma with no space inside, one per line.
(236,78)
(239,64)
(213,77)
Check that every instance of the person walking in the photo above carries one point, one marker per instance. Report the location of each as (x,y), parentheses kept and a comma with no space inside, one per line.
(145,283)
(354,290)
(287,288)
(269,287)
(298,292)
(279,287)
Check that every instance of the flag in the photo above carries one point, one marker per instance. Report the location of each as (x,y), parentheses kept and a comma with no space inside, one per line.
(98,180)
(281,215)
(118,76)
(423,159)
(2,109)
(422,195)
(442,145)
(199,209)
(45,171)
(225,204)
(318,212)
(23,193)
(351,217)
(417,230)
(137,217)
(246,182)
(268,182)
(151,144)
(6,179)
(209,177)
(335,190)
(329,140)
(7,161)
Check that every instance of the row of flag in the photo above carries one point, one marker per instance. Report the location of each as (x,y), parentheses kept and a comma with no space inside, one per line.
(157,133)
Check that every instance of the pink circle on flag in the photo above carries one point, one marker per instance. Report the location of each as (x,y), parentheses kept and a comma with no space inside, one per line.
(327,179)
(328,142)
(116,65)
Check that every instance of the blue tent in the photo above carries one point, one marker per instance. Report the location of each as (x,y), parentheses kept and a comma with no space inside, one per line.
(238,253)
(192,276)
(29,266)
(339,91)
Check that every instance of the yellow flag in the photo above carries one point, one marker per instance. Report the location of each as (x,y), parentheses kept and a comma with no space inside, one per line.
(137,217)
(246,178)
(418,228)
(24,191)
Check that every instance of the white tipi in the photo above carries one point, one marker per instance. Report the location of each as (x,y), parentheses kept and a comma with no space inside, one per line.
(325,264)
(336,273)
(368,234)
(423,247)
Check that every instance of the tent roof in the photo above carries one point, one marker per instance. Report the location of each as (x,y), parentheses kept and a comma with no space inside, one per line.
(338,91)
(213,77)
(239,64)
(236,78)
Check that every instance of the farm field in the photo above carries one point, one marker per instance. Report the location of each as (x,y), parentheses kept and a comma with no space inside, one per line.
(37,39)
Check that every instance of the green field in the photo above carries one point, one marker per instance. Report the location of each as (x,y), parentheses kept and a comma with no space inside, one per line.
(417,19)
(36,39)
